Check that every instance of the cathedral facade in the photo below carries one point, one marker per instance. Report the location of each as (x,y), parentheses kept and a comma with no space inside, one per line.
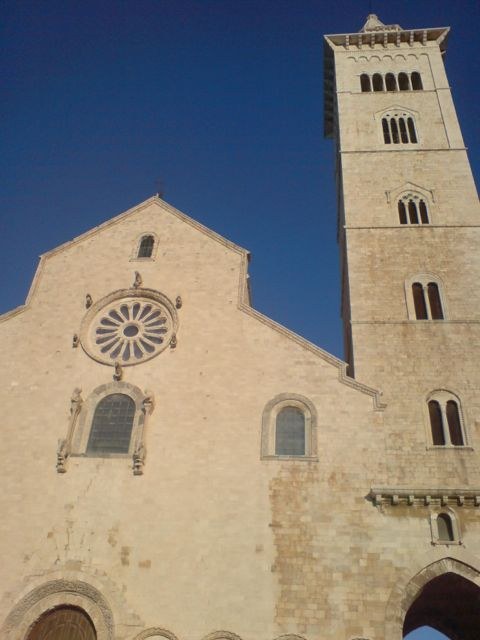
(178,466)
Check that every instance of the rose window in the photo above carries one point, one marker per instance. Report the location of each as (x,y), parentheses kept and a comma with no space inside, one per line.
(129,330)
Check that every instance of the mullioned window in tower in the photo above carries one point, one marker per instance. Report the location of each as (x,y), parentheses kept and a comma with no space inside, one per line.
(425,298)
(399,128)
(412,210)
(445,416)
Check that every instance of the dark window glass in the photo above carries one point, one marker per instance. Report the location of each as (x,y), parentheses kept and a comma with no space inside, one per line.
(454,426)
(419,301)
(423,212)
(411,130)
(403,130)
(377,82)
(412,212)
(438,437)
(416,81)
(403,82)
(365,83)
(390,82)
(146,247)
(112,425)
(444,526)
(436,311)
(386,131)
(394,127)
(290,432)
(64,623)
(402,213)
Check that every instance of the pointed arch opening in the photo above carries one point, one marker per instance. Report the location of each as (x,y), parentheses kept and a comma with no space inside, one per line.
(449,603)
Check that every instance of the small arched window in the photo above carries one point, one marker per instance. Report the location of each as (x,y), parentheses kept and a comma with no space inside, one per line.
(377,82)
(145,248)
(445,420)
(112,425)
(390,82)
(416,81)
(403,82)
(365,83)
(290,432)
(445,528)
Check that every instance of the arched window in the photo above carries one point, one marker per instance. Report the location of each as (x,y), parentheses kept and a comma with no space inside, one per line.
(289,428)
(416,81)
(445,528)
(445,420)
(145,248)
(402,212)
(64,622)
(365,83)
(377,82)
(290,432)
(390,82)
(403,82)
(427,301)
(112,425)
(399,128)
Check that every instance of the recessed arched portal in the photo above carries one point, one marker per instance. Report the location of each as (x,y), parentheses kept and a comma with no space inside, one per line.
(449,603)
(63,623)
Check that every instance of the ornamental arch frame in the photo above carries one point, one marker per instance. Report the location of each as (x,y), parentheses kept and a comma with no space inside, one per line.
(52,595)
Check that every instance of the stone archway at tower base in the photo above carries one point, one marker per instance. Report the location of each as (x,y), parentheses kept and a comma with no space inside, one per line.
(445,594)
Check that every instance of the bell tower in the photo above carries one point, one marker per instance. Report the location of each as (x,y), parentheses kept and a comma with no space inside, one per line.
(408,228)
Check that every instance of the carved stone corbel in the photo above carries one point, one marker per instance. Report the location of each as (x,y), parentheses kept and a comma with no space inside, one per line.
(88,301)
(137,283)
(140,451)
(65,444)
(118,371)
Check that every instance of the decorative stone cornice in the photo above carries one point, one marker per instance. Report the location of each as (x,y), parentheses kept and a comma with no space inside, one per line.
(424,497)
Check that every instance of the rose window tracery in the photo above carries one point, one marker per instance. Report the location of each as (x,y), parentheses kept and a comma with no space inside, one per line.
(129,329)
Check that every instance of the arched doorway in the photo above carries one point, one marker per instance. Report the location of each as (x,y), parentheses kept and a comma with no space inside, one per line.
(449,603)
(64,623)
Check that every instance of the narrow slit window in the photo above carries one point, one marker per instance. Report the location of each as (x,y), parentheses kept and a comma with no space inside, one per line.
(423,212)
(290,432)
(386,131)
(403,130)
(454,425)
(436,422)
(419,301)
(365,83)
(445,528)
(411,130)
(377,82)
(402,212)
(403,82)
(394,127)
(416,81)
(145,249)
(412,212)
(390,82)
(436,311)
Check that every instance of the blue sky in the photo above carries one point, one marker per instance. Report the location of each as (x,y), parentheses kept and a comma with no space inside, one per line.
(220,101)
